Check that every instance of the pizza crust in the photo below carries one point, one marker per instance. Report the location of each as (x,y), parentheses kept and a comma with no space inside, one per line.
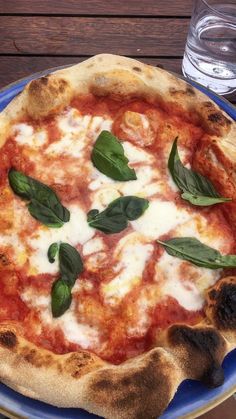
(143,386)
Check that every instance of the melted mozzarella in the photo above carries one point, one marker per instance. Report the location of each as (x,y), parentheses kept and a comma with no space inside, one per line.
(99,124)
(132,255)
(76,131)
(27,136)
(145,185)
(79,333)
(75,231)
(82,334)
(103,197)
(141,320)
(200,228)
(136,154)
(99,180)
(185,292)
(159,219)
(175,274)
(93,246)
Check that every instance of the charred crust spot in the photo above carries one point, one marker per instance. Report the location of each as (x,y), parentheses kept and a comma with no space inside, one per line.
(218,118)
(138,69)
(190,91)
(77,361)
(44,80)
(209,105)
(103,385)
(62,86)
(203,350)
(173,90)
(8,339)
(213,294)
(207,341)
(214,376)
(38,84)
(225,309)
(215,117)
(127,400)
(30,356)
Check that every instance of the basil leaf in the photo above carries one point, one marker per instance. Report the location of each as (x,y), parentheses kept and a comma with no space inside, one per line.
(70,263)
(192,250)
(203,201)
(44,204)
(116,216)
(130,206)
(109,158)
(108,223)
(52,252)
(197,189)
(44,214)
(60,297)
(20,184)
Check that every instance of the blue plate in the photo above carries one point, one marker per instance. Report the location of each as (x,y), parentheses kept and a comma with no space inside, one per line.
(191,398)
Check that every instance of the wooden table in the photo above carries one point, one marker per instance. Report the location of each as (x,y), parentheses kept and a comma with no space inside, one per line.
(38,34)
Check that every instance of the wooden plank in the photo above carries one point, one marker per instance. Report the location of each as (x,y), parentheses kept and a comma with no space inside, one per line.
(89,36)
(14,68)
(225,410)
(99,7)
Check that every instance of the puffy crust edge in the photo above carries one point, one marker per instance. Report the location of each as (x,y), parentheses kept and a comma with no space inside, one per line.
(121,78)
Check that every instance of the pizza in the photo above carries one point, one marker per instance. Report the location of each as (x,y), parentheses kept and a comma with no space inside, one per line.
(117,238)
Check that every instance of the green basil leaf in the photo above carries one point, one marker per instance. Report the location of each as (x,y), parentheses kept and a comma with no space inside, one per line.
(52,252)
(116,216)
(44,204)
(20,184)
(70,263)
(130,206)
(192,250)
(92,214)
(202,201)
(109,158)
(60,297)
(197,189)
(108,223)
(44,214)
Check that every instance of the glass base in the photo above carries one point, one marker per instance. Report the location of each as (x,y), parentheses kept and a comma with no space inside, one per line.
(217,85)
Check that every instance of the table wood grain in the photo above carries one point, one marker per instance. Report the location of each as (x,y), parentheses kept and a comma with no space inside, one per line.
(40,34)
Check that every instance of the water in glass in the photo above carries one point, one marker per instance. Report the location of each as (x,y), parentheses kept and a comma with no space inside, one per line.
(210,54)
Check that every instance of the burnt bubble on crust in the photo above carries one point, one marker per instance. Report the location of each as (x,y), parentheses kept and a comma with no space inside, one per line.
(202,350)
(225,306)
(214,376)
(8,339)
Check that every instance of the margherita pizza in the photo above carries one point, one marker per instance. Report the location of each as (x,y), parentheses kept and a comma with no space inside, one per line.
(117,238)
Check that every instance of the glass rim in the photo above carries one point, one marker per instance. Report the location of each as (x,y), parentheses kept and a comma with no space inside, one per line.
(218,11)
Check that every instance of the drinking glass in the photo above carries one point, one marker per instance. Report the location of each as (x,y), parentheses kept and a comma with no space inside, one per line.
(210,52)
